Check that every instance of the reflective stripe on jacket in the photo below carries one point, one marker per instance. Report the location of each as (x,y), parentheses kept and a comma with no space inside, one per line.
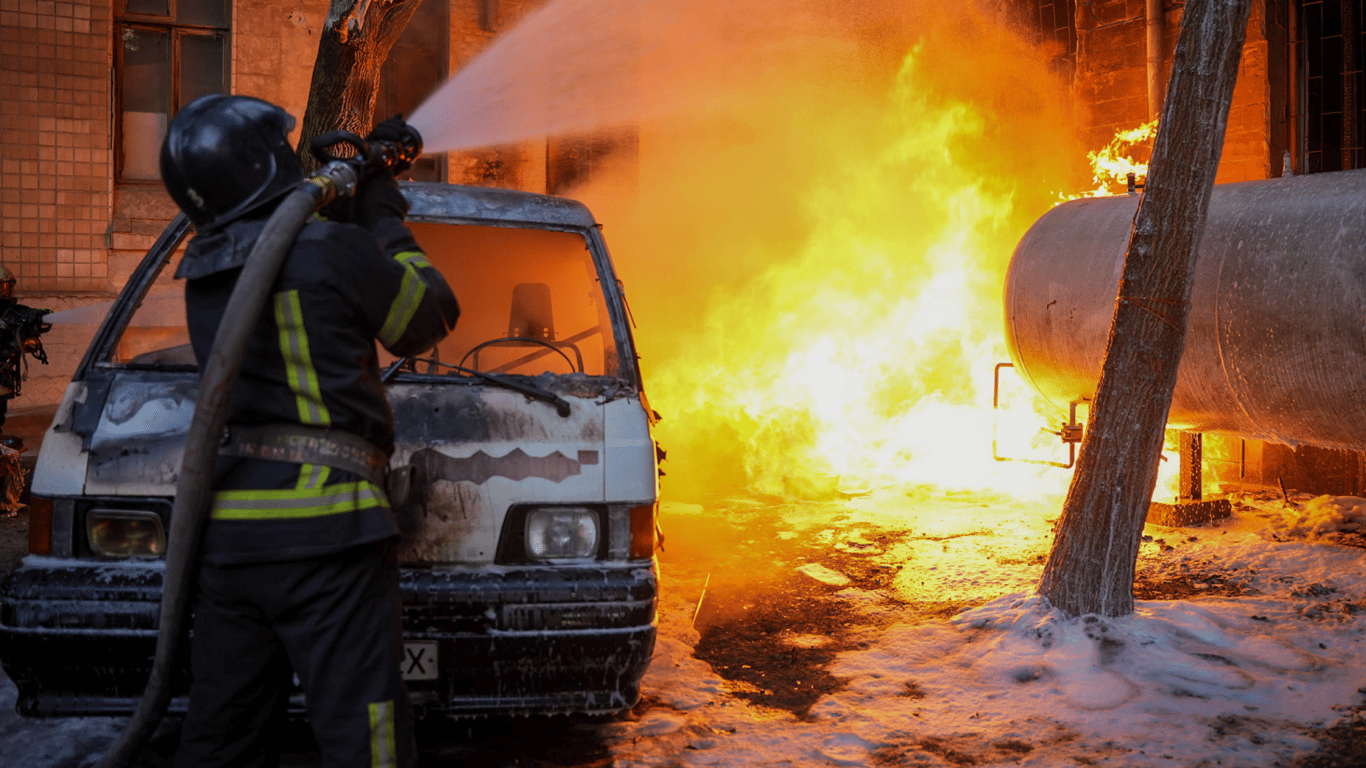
(312,360)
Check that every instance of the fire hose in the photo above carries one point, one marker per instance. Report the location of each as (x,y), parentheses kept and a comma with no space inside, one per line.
(339,177)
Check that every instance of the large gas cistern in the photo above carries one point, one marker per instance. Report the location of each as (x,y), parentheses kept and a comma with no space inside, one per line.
(1276,341)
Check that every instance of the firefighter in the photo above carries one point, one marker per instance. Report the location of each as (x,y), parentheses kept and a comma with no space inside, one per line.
(299,569)
(21,330)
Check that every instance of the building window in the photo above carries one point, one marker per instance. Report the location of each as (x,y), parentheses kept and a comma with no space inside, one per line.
(1056,22)
(168,53)
(1328,45)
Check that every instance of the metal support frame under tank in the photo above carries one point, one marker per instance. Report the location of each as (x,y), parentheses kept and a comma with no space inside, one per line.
(1189,507)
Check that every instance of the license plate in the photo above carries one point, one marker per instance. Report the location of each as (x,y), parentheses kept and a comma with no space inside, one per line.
(419,661)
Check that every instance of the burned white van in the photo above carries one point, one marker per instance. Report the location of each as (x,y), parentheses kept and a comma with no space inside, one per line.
(529,580)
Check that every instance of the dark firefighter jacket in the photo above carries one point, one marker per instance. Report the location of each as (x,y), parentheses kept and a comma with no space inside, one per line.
(312,361)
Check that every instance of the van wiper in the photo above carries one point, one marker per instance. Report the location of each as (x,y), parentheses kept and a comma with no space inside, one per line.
(530,390)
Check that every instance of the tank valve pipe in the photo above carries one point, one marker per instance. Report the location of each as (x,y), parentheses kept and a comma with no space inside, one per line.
(1070,432)
(190,511)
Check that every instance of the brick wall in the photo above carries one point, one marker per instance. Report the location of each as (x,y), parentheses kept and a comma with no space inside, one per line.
(1111,75)
(1112,80)
(54,175)
(1255,139)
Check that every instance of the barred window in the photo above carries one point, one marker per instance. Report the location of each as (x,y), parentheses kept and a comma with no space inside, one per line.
(1328,45)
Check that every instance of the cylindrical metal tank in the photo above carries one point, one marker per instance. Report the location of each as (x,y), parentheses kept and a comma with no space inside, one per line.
(1276,342)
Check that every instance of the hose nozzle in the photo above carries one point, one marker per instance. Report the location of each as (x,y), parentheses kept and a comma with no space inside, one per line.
(399,145)
(399,150)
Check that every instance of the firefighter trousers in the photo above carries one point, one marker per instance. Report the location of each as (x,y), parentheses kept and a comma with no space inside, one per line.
(336,622)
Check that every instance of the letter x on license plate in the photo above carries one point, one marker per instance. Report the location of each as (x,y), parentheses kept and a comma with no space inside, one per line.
(419,660)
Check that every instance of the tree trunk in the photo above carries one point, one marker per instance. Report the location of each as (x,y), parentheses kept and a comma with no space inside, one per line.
(355,42)
(1091,566)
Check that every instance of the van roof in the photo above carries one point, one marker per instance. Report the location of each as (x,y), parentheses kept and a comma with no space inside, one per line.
(431,201)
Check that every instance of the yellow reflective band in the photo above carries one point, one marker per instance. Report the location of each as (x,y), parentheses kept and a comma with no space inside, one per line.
(409,298)
(295,503)
(414,259)
(383,745)
(312,476)
(303,378)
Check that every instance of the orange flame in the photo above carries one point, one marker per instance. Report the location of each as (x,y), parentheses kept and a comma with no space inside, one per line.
(818,281)
(1111,165)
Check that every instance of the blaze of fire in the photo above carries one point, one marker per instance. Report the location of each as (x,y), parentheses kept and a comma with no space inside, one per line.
(818,278)
(853,311)
(1112,164)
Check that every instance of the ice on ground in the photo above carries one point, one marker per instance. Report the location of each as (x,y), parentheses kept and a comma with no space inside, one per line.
(52,742)
(824,575)
(1320,516)
(1148,685)
(1215,681)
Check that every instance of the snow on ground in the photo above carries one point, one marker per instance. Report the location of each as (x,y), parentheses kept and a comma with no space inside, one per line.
(1222,681)
(50,743)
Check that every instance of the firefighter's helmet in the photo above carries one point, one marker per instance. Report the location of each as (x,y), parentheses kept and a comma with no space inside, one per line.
(7,281)
(225,156)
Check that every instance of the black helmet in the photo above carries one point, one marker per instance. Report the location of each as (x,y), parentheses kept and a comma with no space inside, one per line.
(226,155)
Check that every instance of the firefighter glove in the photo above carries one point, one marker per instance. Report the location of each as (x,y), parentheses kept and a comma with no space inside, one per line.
(378,198)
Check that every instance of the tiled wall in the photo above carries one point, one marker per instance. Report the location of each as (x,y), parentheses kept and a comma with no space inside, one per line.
(55,168)
(54,175)
(69,233)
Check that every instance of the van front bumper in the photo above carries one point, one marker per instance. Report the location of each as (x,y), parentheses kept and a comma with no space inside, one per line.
(78,638)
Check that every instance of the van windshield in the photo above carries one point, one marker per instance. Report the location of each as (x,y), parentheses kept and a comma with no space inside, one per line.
(530,302)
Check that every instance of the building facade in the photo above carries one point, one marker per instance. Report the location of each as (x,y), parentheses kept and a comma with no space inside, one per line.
(1299,86)
(88,86)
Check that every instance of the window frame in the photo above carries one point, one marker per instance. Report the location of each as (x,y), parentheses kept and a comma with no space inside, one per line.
(178,31)
(1318,130)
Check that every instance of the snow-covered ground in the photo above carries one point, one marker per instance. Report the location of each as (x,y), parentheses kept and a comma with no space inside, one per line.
(1232,681)
(1205,681)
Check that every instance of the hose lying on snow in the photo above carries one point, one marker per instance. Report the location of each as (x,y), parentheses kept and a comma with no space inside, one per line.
(190,512)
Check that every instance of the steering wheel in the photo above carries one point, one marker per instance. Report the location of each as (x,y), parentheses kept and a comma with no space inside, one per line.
(525,340)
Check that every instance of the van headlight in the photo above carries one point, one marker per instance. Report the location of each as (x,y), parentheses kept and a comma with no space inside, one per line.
(125,533)
(561,533)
